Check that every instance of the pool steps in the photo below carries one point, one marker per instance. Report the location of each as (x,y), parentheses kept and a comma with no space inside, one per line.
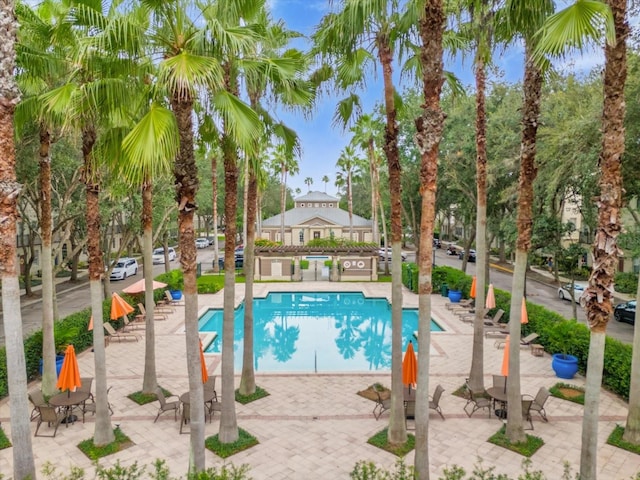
(208,339)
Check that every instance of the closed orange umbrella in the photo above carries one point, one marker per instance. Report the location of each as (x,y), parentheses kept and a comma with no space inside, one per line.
(524,317)
(90,326)
(203,365)
(472,292)
(409,367)
(119,307)
(491,298)
(505,358)
(69,378)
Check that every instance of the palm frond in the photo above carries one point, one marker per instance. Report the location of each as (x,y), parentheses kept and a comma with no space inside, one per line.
(151,145)
(185,72)
(240,119)
(346,110)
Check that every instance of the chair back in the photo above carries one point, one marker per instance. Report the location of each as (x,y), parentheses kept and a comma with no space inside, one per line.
(437,394)
(161,399)
(48,413)
(37,398)
(410,409)
(210,384)
(541,397)
(529,338)
(86,384)
(109,329)
(496,318)
(168,296)
(499,381)
(143,311)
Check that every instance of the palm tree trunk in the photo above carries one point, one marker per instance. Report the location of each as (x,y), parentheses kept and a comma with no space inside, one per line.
(228,432)
(283,200)
(476,376)
(186,179)
(214,203)
(248,380)
(598,295)
(632,428)
(150,379)
(103,433)
(397,433)
(374,194)
(429,133)
(350,205)
(528,171)
(49,377)
(23,462)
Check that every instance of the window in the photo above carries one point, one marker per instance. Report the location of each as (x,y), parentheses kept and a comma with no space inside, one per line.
(302,205)
(316,234)
(324,204)
(331,205)
(301,236)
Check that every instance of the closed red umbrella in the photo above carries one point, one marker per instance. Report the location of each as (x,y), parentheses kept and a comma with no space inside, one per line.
(69,378)
(409,367)
(203,365)
(524,317)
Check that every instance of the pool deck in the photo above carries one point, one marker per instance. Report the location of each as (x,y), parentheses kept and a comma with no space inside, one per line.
(314,426)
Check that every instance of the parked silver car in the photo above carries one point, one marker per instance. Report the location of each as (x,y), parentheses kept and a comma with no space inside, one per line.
(564,292)
(125,267)
(158,255)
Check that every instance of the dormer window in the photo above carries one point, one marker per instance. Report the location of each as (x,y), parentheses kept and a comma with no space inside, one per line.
(331,205)
(302,205)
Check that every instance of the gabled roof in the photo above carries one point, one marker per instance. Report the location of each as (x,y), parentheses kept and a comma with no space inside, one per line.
(299,216)
(316,197)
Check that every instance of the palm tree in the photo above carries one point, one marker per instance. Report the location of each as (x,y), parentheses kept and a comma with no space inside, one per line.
(353,38)
(40,65)
(283,162)
(429,132)
(589,17)
(348,163)
(325,179)
(308,182)
(23,463)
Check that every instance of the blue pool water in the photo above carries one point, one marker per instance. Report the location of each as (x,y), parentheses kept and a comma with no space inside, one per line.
(316,332)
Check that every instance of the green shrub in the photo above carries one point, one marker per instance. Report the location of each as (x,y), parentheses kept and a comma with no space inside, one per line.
(304,264)
(263,242)
(210,283)
(626,282)
(224,450)
(174,279)
(338,242)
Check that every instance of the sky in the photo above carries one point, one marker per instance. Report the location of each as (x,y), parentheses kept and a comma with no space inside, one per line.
(322,142)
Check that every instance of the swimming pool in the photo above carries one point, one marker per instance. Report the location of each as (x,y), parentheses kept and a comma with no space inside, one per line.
(316,332)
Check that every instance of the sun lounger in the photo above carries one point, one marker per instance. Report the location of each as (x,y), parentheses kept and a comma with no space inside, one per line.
(524,341)
(461,304)
(119,335)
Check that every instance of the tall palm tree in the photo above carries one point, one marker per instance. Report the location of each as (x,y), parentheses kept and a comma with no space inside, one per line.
(284,163)
(23,463)
(308,182)
(348,163)
(588,18)
(362,32)
(325,180)
(429,132)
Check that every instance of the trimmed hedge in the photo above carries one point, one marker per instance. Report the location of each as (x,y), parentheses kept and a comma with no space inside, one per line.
(617,355)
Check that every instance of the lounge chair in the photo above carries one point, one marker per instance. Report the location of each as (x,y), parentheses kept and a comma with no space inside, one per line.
(167,406)
(468,303)
(170,300)
(434,402)
(156,315)
(524,341)
(382,404)
(495,320)
(539,401)
(49,414)
(37,400)
(471,316)
(119,335)
(129,325)
(476,400)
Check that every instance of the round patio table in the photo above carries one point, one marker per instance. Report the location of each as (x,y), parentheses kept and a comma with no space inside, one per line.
(499,394)
(66,401)
(208,396)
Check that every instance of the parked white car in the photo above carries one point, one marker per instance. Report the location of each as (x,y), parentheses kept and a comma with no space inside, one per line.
(125,267)
(564,292)
(158,255)
(202,242)
(382,254)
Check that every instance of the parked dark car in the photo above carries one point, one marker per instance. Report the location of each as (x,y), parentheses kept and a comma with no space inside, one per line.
(437,243)
(626,312)
(472,255)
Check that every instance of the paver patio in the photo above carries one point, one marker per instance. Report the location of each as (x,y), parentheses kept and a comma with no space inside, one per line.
(314,425)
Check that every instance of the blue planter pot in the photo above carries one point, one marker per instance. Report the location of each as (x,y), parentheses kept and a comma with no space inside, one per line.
(59,360)
(455,296)
(176,294)
(565,366)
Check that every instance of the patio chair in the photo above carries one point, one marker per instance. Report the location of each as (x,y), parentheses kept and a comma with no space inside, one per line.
(539,401)
(49,414)
(186,417)
(167,406)
(476,400)
(37,400)
(210,386)
(119,335)
(91,407)
(409,411)
(526,412)
(382,404)
(434,402)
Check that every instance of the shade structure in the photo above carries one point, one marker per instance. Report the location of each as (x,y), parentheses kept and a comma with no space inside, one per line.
(203,365)
(524,317)
(119,307)
(505,358)
(90,326)
(138,287)
(69,378)
(409,367)
(491,298)
(472,292)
